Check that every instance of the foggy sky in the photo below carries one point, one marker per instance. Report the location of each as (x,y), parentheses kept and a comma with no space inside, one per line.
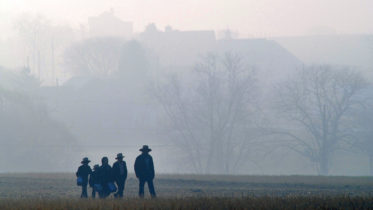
(251,18)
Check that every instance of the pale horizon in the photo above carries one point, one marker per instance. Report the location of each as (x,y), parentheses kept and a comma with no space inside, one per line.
(267,18)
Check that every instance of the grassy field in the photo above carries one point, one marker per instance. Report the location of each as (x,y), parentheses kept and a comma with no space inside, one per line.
(58,191)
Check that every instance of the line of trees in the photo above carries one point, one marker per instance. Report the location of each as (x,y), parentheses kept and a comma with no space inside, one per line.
(215,111)
(215,115)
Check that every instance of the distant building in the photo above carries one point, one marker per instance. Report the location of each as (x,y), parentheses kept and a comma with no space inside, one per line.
(107,24)
(181,50)
(348,50)
(271,62)
(177,48)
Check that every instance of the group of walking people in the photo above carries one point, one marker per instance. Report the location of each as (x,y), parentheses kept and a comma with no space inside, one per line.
(105,179)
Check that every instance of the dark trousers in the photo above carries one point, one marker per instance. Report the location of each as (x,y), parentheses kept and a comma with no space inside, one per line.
(93,193)
(84,191)
(121,184)
(150,185)
(105,191)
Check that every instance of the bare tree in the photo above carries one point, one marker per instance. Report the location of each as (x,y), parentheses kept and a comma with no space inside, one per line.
(316,105)
(34,32)
(210,112)
(42,44)
(94,57)
(363,138)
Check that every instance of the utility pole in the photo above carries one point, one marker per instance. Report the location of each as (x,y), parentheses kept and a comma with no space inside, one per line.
(39,73)
(53,63)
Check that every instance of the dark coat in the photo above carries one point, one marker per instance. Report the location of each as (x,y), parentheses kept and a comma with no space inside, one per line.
(84,171)
(94,178)
(144,167)
(116,171)
(106,174)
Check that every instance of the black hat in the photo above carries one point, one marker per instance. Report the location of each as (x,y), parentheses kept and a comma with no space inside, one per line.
(85,160)
(119,156)
(145,148)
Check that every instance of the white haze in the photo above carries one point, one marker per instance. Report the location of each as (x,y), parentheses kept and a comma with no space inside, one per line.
(251,18)
(70,88)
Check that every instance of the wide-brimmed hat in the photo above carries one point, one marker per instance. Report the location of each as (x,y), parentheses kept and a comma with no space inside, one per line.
(145,148)
(119,156)
(85,160)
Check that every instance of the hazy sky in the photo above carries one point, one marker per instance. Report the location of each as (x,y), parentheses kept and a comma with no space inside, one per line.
(249,17)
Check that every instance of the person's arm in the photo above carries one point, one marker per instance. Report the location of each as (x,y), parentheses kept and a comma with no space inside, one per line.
(152,167)
(99,178)
(125,170)
(78,172)
(90,180)
(114,170)
(137,167)
(112,179)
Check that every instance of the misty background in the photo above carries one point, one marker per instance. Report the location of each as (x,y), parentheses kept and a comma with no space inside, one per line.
(213,87)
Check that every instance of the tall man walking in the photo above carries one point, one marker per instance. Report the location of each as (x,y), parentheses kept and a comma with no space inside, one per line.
(120,174)
(144,169)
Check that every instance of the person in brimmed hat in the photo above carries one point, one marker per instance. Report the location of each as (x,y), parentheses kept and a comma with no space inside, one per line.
(94,180)
(83,172)
(144,169)
(120,174)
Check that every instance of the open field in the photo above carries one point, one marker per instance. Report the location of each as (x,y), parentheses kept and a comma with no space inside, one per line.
(58,191)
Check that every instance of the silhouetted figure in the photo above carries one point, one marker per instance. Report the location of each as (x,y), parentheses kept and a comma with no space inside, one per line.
(120,174)
(95,181)
(106,175)
(144,169)
(83,172)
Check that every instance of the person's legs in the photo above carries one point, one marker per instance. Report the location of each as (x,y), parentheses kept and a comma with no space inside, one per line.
(101,194)
(151,188)
(93,192)
(117,192)
(84,191)
(123,186)
(105,191)
(141,188)
(120,184)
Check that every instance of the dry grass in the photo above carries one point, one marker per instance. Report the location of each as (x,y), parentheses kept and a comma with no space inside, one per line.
(194,203)
(58,191)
